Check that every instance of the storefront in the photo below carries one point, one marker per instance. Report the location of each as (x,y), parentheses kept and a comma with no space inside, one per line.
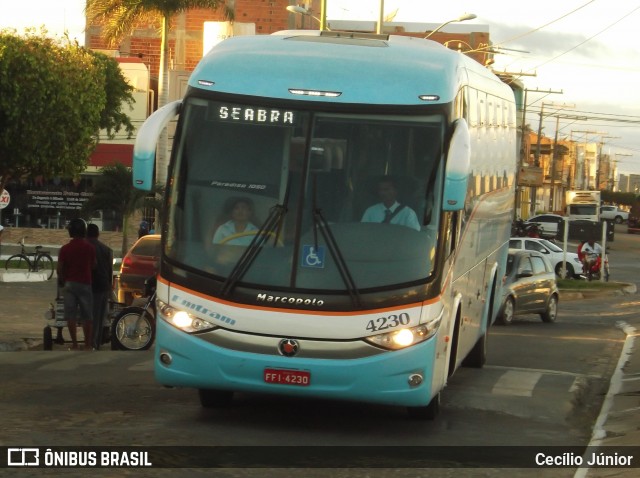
(52,204)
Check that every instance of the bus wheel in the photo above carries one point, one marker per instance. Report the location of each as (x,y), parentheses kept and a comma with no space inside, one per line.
(215,398)
(478,355)
(428,412)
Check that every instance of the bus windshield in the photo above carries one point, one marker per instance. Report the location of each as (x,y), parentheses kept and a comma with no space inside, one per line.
(274,197)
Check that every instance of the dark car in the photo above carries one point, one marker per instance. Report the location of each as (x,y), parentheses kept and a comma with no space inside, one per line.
(140,263)
(633,223)
(529,287)
(549,224)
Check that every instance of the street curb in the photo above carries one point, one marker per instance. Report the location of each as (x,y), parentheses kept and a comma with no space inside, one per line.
(624,289)
(12,276)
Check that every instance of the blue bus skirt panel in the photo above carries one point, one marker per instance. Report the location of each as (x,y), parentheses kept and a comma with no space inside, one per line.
(382,378)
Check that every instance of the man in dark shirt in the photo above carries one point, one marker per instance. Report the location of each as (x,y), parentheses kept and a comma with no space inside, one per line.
(101,283)
(76,260)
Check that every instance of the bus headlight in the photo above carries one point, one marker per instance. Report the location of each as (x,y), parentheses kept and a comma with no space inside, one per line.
(403,338)
(181,319)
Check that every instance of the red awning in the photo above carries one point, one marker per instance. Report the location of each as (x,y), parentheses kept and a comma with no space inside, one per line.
(108,154)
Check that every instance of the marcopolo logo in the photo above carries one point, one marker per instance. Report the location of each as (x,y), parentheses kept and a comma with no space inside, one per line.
(283,299)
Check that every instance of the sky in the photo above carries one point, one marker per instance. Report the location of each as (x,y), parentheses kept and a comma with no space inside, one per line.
(587,49)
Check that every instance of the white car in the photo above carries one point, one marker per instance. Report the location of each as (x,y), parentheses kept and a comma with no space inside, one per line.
(612,213)
(552,252)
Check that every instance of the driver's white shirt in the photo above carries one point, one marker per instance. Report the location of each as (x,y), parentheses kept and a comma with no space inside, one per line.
(587,250)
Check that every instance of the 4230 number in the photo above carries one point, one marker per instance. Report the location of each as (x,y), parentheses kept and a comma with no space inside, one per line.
(389,322)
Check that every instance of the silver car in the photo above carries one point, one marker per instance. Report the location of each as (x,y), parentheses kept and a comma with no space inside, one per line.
(529,287)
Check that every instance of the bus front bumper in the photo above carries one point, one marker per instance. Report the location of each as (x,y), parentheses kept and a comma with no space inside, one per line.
(401,377)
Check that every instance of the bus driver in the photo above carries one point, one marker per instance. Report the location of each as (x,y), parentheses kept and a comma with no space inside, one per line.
(389,210)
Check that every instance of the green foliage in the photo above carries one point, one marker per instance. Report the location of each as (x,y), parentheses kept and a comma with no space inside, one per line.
(50,103)
(54,99)
(624,199)
(118,94)
(119,17)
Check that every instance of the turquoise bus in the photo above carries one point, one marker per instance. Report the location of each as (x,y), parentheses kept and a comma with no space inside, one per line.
(337,215)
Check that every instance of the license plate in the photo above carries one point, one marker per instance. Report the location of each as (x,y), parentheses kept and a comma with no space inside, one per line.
(287,377)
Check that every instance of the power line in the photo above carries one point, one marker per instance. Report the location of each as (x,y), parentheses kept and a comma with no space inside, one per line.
(588,39)
(545,25)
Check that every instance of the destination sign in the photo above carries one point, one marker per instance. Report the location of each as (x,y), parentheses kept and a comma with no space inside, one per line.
(248,114)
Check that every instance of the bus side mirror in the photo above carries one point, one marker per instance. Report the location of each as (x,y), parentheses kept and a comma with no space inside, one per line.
(458,168)
(144,150)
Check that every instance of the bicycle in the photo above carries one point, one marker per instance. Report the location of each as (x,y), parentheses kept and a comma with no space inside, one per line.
(31,261)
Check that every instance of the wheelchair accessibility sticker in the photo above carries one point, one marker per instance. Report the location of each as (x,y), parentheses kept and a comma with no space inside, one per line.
(312,257)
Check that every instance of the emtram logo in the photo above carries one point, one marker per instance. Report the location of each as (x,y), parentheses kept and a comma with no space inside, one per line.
(23,457)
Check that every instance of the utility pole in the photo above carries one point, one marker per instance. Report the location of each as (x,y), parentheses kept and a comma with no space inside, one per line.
(534,190)
(553,168)
(519,193)
(600,158)
(554,158)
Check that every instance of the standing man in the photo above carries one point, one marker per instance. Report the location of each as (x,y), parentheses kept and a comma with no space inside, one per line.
(76,261)
(101,283)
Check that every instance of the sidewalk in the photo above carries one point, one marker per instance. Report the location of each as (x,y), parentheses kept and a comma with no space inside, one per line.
(22,309)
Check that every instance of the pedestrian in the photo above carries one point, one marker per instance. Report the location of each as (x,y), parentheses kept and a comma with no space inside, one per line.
(101,283)
(143,229)
(76,260)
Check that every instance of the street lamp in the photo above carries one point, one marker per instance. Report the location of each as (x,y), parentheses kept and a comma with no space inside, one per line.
(463,18)
(303,11)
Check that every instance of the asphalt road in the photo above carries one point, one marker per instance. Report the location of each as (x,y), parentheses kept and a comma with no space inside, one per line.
(544,385)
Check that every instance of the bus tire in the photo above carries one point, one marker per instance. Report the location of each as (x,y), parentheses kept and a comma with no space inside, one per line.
(215,398)
(428,412)
(478,355)
(453,353)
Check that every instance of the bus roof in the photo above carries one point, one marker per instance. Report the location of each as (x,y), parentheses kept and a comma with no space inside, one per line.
(367,69)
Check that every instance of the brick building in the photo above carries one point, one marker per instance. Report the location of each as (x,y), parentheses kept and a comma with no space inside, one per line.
(186,38)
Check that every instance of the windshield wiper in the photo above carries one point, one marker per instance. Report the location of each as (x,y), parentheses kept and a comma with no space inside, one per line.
(334,249)
(253,249)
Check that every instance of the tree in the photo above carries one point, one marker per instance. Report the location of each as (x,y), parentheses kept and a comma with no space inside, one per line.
(120,17)
(119,95)
(114,192)
(617,197)
(54,99)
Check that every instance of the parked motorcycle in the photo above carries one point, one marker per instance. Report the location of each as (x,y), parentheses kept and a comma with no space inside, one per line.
(134,327)
(520,228)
